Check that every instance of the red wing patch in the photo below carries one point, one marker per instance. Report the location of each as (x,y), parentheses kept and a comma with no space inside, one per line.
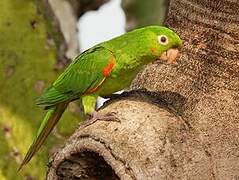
(107,70)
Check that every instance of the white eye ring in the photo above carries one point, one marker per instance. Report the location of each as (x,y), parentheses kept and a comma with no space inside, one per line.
(162,39)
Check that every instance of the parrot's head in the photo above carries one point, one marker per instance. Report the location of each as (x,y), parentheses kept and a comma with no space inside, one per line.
(166,44)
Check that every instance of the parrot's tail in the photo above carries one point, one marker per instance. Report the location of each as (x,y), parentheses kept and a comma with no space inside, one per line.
(51,118)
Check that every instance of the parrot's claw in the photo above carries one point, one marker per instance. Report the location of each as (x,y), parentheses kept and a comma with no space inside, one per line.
(111,116)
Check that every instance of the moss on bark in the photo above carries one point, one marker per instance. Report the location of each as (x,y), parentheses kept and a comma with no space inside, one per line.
(27,58)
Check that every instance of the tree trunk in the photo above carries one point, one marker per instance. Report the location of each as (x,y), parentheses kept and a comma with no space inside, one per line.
(185,125)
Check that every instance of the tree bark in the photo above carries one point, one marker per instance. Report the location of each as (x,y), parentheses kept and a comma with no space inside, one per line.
(131,148)
(186,124)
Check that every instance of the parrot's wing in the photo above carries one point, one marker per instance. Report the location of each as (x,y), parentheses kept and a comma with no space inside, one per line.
(84,75)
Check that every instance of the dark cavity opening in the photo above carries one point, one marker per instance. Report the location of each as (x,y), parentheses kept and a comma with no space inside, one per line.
(86,165)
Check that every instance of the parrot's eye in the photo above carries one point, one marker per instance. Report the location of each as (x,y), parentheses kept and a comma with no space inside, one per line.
(162,39)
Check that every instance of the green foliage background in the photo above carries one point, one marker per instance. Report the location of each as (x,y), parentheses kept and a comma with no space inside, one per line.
(26,68)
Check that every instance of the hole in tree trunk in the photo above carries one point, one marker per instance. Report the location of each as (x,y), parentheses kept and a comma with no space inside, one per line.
(86,165)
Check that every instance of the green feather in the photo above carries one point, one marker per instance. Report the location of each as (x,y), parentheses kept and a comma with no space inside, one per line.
(51,118)
(83,74)
(85,77)
(51,97)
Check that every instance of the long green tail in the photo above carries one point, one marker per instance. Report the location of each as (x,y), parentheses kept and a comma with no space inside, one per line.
(51,118)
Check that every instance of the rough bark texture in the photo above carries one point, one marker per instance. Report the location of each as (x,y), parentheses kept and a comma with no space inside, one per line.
(140,147)
(207,76)
(189,127)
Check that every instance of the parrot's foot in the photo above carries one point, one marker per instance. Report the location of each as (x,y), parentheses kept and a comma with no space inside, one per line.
(96,116)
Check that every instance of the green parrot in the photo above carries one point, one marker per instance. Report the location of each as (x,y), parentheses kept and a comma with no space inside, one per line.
(102,70)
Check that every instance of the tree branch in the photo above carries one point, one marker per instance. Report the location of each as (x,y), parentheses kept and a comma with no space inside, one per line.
(142,146)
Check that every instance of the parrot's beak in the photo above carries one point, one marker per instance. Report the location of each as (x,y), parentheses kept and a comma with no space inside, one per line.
(170,56)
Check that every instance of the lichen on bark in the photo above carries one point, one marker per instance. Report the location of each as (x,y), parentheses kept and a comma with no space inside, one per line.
(27,59)
(33,51)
